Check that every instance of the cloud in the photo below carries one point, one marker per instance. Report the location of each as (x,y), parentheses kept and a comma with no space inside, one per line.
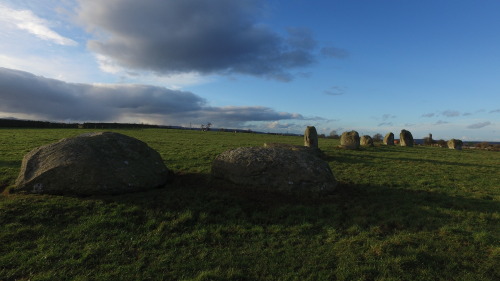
(26,94)
(334,91)
(385,124)
(428,115)
(441,122)
(479,125)
(450,113)
(333,52)
(388,116)
(26,20)
(218,36)
(495,111)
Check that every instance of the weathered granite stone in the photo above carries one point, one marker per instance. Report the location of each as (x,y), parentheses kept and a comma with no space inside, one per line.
(366,140)
(92,164)
(311,150)
(311,137)
(389,139)
(274,169)
(350,140)
(455,144)
(405,138)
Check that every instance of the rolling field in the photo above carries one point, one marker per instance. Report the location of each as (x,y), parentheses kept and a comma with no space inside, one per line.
(399,213)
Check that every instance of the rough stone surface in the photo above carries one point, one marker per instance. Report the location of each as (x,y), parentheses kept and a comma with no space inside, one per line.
(405,138)
(274,169)
(366,140)
(350,140)
(389,139)
(311,137)
(455,144)
(311,150)
(92,164)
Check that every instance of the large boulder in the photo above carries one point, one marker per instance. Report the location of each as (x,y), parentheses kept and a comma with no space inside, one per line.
(92,164)
(350,140)
(366,140)
(405,138)
(311,137)
(311,150)
(389,139)
(455,144)
(274,169)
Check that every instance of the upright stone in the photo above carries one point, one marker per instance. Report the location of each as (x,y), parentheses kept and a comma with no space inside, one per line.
(92,164)
(389,139)
(366,140)
(455,144)
(350,140)
(311,137)
(405,138)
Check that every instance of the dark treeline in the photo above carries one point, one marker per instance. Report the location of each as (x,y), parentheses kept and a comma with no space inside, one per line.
(16,123)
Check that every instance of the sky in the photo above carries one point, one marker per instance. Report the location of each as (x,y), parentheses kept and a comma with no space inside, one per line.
(430,66)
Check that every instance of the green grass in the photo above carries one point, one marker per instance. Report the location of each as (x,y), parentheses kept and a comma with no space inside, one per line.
(399,213)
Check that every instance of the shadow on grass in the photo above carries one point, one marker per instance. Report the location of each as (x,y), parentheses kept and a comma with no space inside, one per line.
(366,207)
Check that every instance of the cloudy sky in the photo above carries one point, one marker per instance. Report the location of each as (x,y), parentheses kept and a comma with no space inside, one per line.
(273,66)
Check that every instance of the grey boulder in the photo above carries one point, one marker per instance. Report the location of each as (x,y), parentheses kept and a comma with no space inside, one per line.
(350,140)
(92,164)
(274,169)
(389,139)
(405,138)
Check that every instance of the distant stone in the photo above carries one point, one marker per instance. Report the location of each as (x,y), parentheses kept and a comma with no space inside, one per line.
(350,140)
(455,144)
(92,164)
(366,140)
(311,137)
(389,139)
(405,138)
(274,169)
(311,150)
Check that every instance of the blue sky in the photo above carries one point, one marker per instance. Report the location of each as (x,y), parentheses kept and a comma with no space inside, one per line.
(272,66)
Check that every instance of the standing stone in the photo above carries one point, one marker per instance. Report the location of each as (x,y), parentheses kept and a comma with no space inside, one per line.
(350,140)
(455,144)
(405,138)
(92,164)
(366,140)
(311,137)
(389,139)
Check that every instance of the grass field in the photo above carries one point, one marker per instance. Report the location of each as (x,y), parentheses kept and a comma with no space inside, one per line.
(400,213)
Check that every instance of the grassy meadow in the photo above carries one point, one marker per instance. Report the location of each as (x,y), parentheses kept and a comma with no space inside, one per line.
(399,213)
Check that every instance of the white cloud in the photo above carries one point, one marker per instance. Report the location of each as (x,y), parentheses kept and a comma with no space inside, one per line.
(26,20)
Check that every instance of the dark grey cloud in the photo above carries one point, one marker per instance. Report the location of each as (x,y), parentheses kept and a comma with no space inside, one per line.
(387,116)
(495,111)
(479,125)
(441,122)
(217,36)
(50,99)
(333,52)
(428,115)
(450,113)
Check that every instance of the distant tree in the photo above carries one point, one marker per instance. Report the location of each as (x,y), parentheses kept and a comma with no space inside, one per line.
(334,135)
(322,136)
(442,143)
(377,137)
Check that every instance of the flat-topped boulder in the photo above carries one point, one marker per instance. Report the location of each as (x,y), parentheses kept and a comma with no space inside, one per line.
(366,140)
(350,140)
(405,138)
(455,144)
(311,150)
(389,139)
(274,169)
(92,164)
